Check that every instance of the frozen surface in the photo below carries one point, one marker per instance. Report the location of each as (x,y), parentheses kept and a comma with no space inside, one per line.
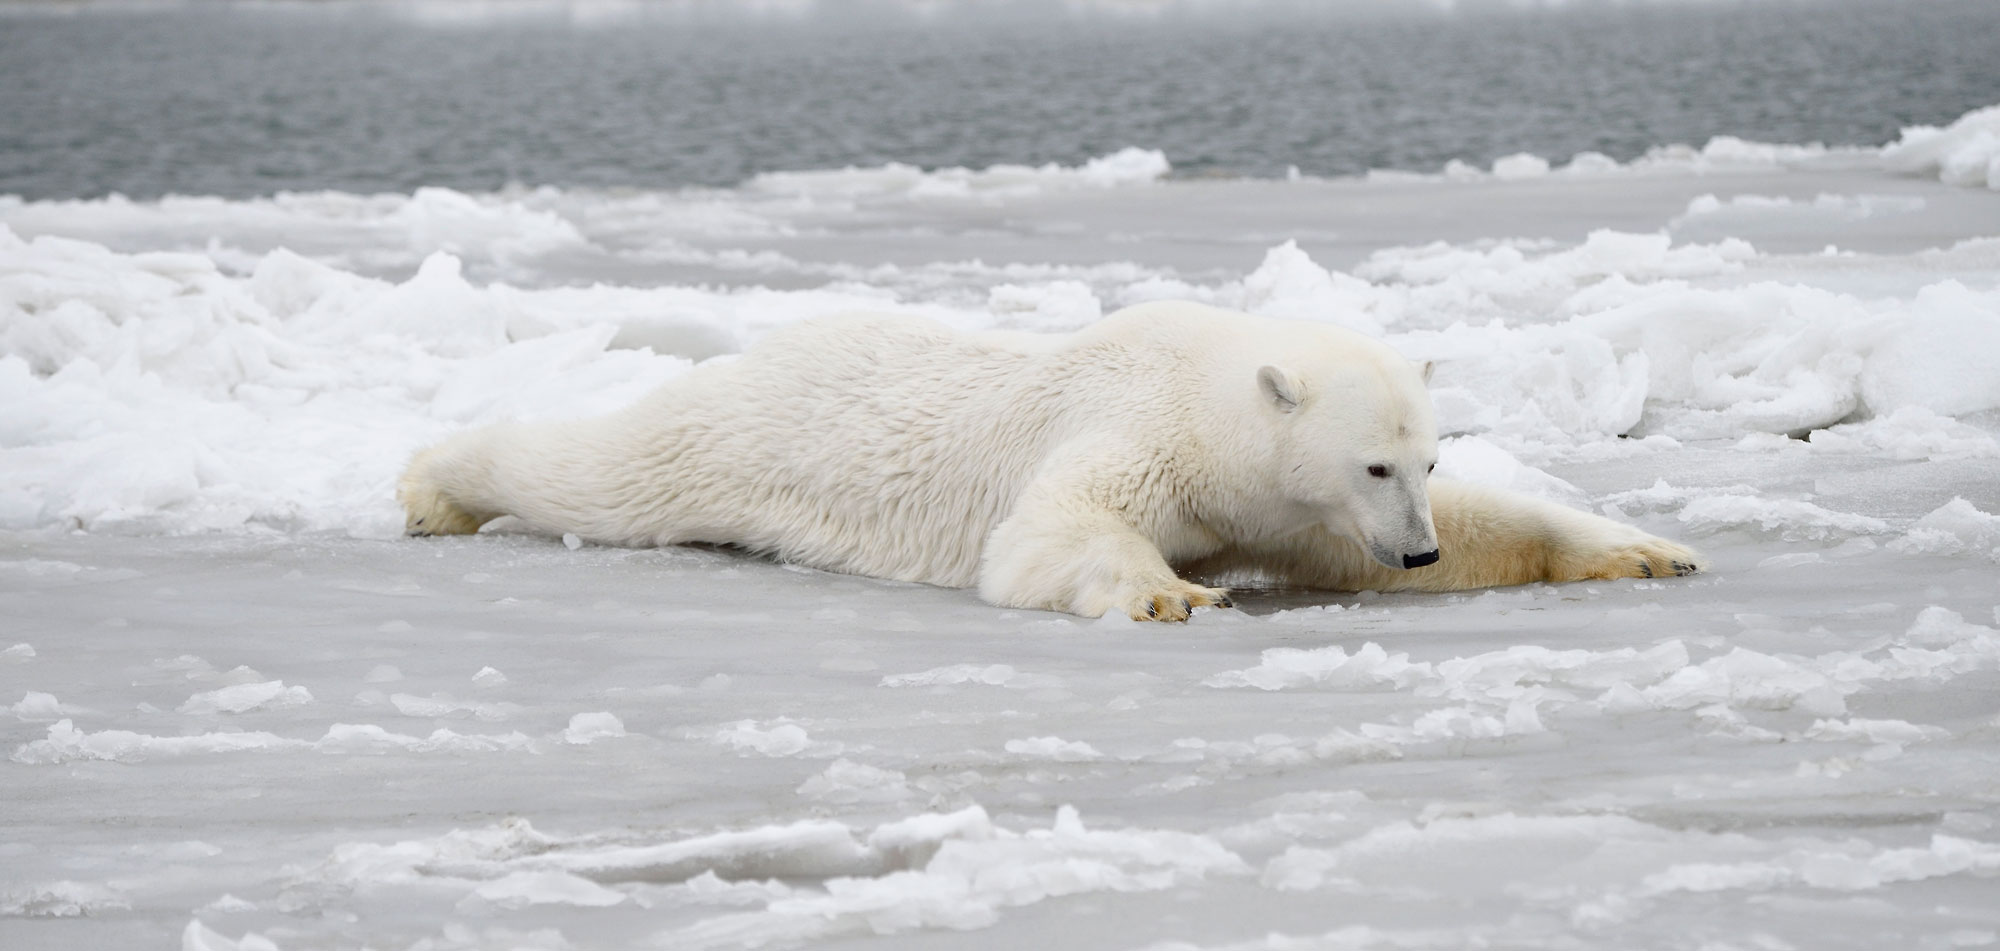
(238,712)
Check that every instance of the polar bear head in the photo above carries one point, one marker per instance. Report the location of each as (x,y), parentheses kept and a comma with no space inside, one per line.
(1354,442)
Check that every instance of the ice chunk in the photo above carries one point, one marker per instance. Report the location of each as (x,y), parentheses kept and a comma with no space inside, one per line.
(709,888)
(442,705)
(1940,627)
(229,904)
(968,881)
(242,698)
(952,869)
(1497,675)
(1967,152)
(199,937)
(1288,284)
(780,737)
(40,569)
(1054,748)
(65,743)
(1910,432)
(915,838)
(488,677)
(1744,677)
(1126,167)
(845,781)
(17,654)
(368,738)
(994,675)
(60,899)
(546,887)
(1519,166)
(810,849)
(1849,866)
(1481,461)
(1939,353)
(1874,731)
(1283,667)
(586,728)
(1057,306)
(40,707)
(1789,519)
(1385,857)
(1954,528)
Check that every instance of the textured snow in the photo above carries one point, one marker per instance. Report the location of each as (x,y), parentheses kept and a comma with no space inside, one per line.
(242,712)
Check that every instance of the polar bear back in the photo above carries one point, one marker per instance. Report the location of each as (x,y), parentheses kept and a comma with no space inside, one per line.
(879,444)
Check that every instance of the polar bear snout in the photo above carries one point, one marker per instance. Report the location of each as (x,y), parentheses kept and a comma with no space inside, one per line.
(1389,557)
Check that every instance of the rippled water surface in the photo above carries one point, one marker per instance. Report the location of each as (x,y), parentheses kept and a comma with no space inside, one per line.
(239,100)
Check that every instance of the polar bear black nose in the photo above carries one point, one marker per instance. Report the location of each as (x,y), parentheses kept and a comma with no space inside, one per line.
(1418,561)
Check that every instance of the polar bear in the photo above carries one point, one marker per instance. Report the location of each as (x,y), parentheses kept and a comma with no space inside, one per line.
(1084,472)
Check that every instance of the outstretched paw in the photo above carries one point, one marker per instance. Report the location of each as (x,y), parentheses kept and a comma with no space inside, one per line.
(1175,602)
(1644,557)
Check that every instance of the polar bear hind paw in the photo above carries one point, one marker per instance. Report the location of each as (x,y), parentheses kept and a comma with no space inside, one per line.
(1177,603)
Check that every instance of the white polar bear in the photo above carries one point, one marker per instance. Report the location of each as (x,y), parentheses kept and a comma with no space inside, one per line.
(1071,472)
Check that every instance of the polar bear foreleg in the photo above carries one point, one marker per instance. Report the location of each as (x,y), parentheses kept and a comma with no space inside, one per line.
(1091,566)
(1063,550)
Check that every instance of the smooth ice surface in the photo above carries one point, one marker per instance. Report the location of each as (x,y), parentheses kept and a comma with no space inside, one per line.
(242,713)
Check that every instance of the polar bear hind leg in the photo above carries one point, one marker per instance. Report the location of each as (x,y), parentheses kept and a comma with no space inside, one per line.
(1504,538)
(1487,538)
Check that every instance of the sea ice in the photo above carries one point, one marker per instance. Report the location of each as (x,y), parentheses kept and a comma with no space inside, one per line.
(205,403)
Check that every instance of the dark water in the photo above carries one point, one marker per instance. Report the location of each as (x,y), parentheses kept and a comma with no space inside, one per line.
(241,100)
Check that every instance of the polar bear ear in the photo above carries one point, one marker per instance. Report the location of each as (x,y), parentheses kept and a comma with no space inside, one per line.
(1424,370)
(1281,387)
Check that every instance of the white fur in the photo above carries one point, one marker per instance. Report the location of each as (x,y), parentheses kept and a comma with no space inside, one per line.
(1066,472)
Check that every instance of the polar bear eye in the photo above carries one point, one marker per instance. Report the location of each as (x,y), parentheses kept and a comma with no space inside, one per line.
(1379,472)
(1433,468)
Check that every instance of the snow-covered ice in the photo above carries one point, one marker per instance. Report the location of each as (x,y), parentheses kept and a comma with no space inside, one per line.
(244,714)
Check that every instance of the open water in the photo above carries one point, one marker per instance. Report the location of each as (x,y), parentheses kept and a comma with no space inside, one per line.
(246,99)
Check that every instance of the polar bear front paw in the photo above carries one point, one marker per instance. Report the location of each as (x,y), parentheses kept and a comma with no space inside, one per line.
(1643,556)
(1175,602)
